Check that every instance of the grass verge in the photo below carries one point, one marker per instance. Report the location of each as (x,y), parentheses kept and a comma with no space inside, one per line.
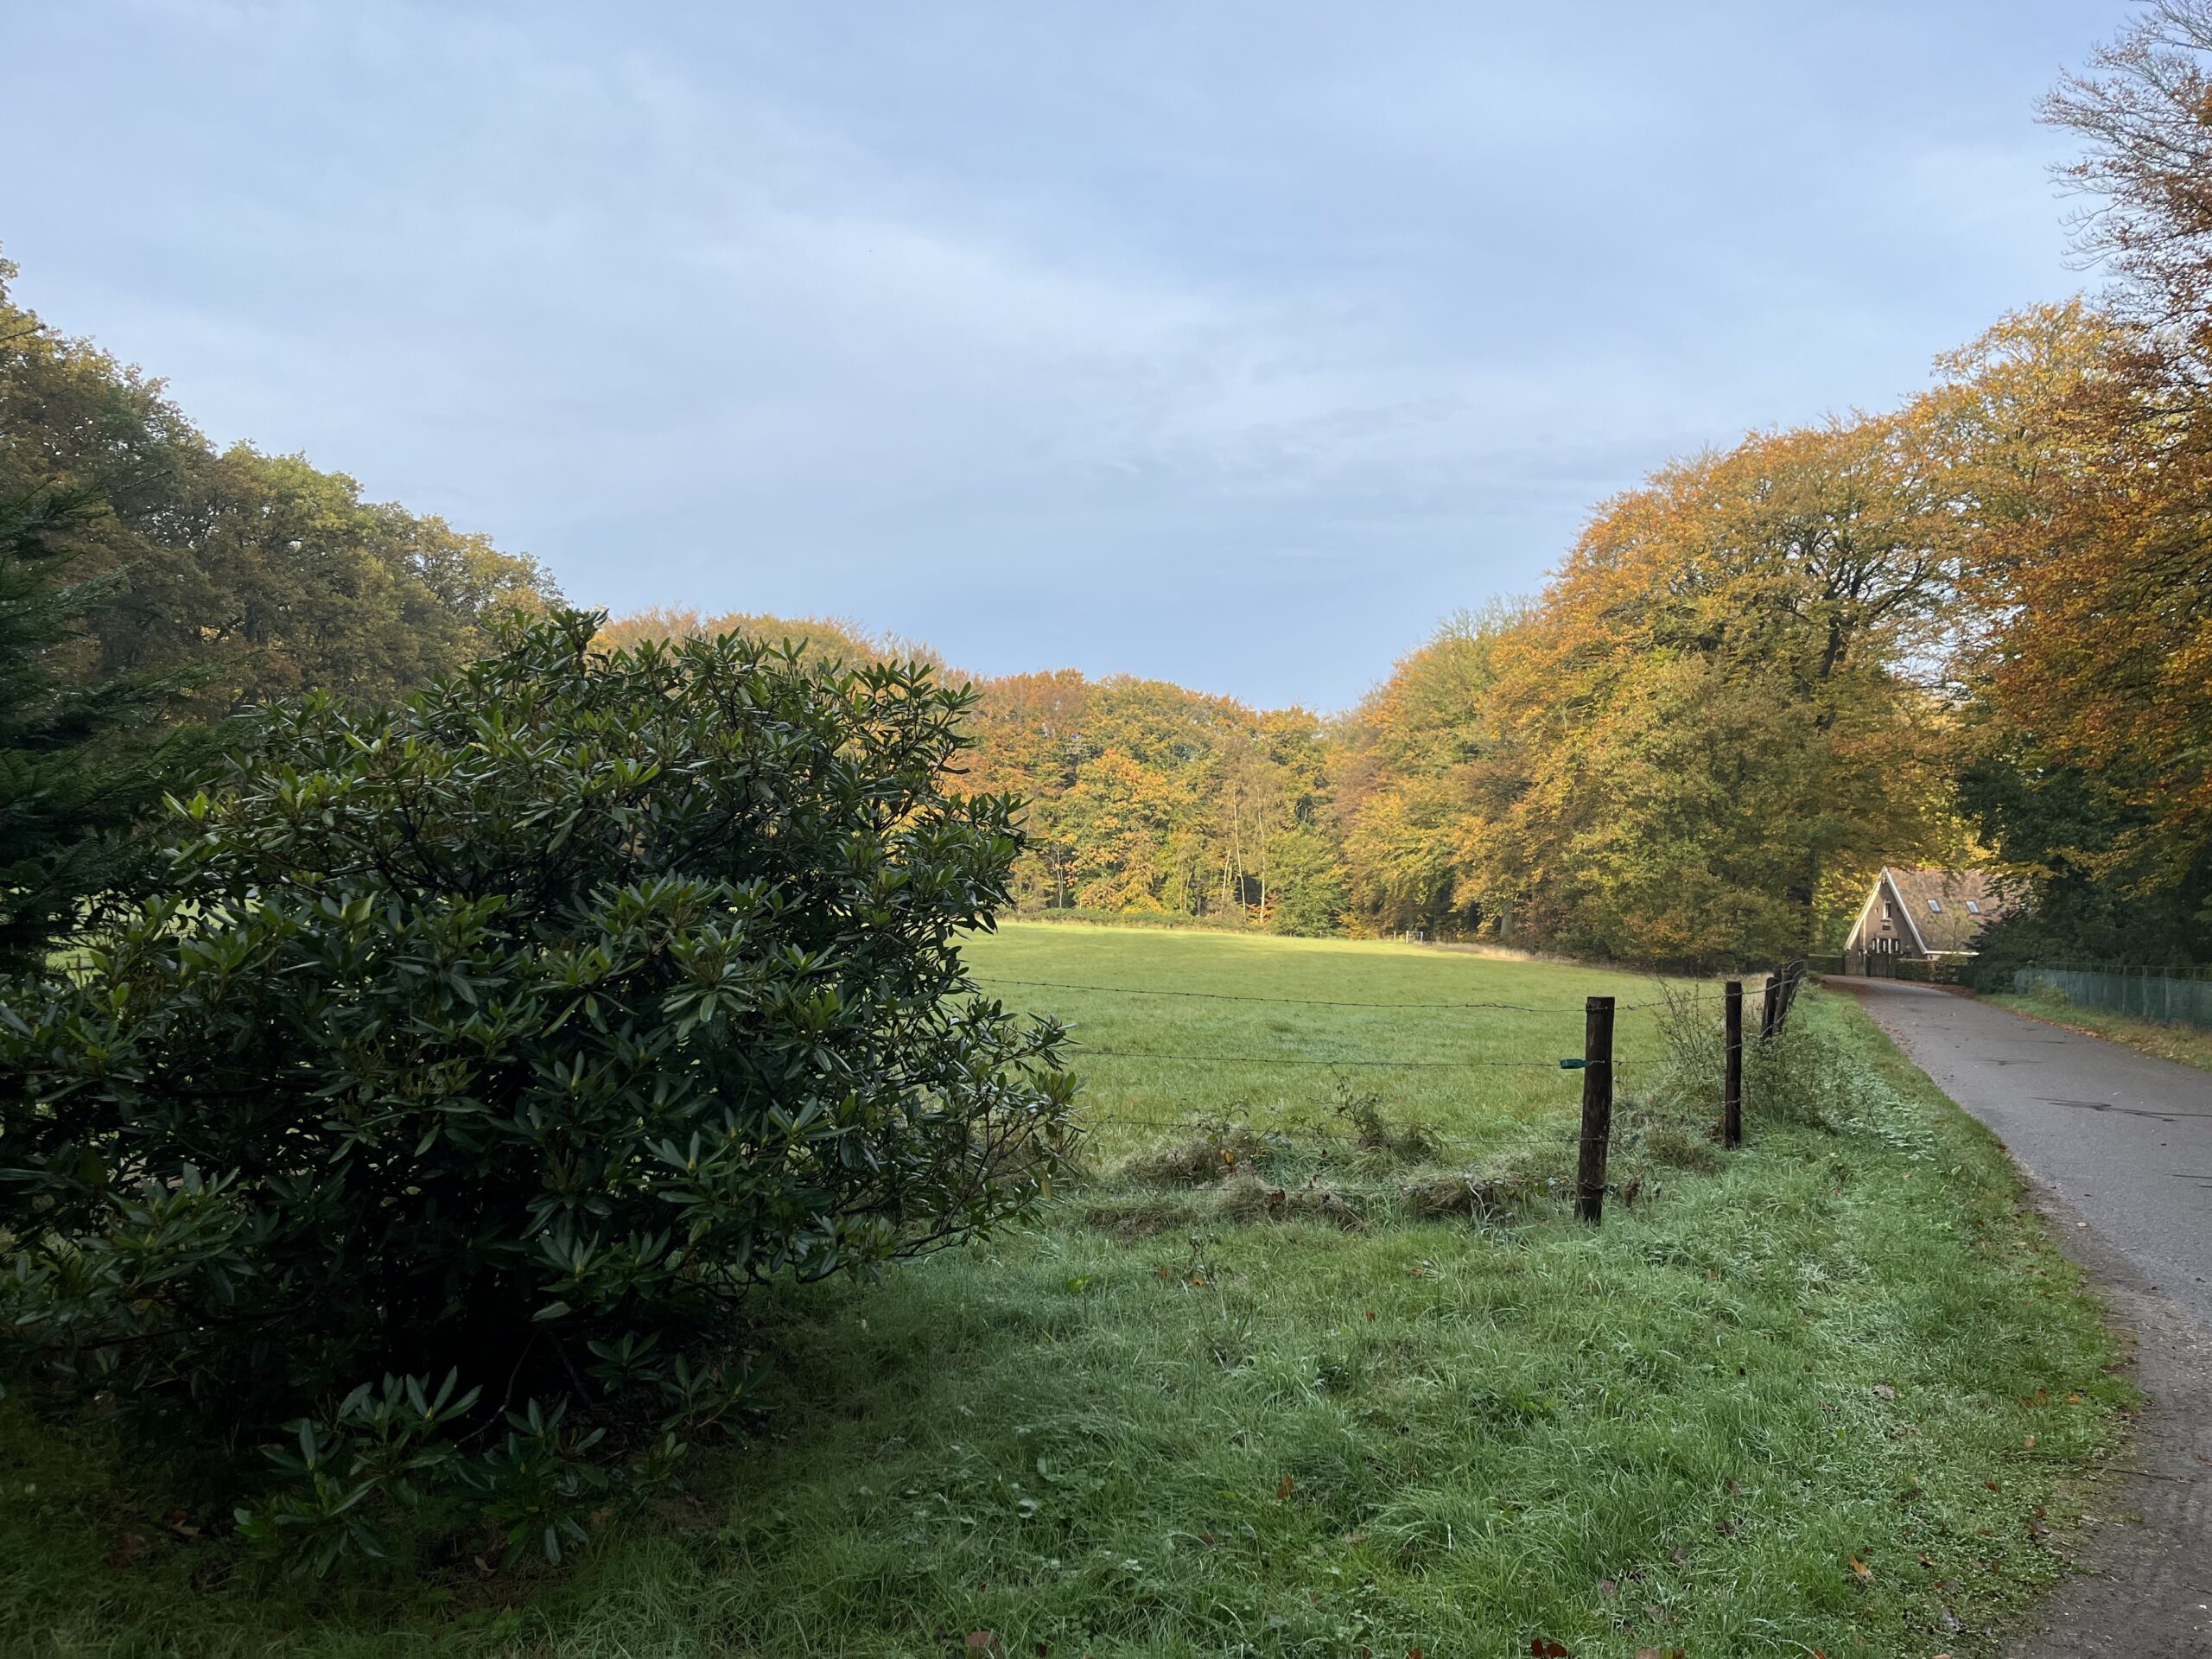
(1301,1400)
(2183,1044)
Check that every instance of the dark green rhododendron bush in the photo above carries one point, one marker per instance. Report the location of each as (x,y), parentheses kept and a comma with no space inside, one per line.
(421,1144)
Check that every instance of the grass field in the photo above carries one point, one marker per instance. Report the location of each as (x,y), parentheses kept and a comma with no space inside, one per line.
(2184,1044)
(1266,1388)
(1271,1032)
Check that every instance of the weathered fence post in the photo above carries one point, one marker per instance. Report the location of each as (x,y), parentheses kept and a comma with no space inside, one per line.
(1597,1107)
(1793,981)
(1770,1008)
(1732,1088)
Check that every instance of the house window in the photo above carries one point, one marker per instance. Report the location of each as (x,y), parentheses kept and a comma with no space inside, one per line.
(1888,909)
(1972,909)
(1936,906)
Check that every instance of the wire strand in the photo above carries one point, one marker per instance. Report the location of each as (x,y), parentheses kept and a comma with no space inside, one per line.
(1298,1001)
(1302,1059)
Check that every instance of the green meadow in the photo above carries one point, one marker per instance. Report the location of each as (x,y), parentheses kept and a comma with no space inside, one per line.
(1172,1027)
(1315,1359)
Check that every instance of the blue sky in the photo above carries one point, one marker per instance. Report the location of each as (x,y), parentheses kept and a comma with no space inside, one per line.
(1223,342)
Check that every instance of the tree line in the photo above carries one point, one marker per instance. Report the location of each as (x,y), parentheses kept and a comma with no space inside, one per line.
(1977,627)
(1974,628)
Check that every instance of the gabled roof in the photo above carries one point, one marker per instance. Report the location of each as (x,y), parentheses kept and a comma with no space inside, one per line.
(1934,903)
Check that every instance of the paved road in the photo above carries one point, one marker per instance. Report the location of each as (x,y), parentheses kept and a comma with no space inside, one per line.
(2120,1146)
(2125,1139)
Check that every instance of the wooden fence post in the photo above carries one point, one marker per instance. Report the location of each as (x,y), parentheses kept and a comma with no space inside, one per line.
(1770,1008)
(1732,1088)
(1597,1108)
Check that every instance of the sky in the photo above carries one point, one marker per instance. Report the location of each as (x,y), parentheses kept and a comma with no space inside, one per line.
(1229,343)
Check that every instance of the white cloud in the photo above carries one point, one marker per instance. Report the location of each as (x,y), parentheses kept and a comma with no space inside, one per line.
(1049,333)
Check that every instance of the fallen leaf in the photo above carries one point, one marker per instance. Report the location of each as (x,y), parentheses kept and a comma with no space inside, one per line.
(1861,1568)
(1370,1319)
(1607,1587)
(983,1641)
(180,1525)
(2031,1442)
(1544,1648)
(1680,1554)
(127,1549)
(2072,1399)
(1884,1391)
(1285,1487)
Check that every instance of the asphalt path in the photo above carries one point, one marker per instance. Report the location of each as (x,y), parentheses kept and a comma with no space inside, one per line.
(2124,1138)
(2119,1148)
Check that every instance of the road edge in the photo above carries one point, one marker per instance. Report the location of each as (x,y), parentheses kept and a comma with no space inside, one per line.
(2138,1581)
(2139,1563)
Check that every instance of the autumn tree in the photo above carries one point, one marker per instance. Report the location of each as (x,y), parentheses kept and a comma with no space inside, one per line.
(831,640)
(1411,774)
(2082,448)
(1711,729)
(1145,798)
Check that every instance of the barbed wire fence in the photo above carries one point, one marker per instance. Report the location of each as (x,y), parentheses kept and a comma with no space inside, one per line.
(1590,1134)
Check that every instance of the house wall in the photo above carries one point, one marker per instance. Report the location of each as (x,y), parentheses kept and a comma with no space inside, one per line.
(1880,929)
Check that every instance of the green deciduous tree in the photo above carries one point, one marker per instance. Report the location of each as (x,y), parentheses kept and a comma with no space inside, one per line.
(259,573)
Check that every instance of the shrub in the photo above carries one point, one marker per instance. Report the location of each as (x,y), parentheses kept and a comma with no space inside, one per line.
(497,1043)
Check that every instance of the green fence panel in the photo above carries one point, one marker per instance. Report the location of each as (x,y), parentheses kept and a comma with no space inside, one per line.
(2173,999)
